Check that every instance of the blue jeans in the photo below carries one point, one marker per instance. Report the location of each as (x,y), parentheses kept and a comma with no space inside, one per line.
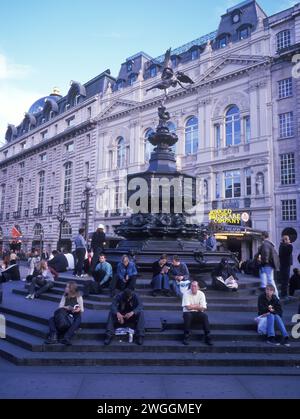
(272,321)
(175,287)
(266,274)
(160,282)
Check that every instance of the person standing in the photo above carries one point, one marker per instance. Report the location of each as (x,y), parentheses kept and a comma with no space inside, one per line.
(286,261)
(97,244)
(194,306)
(268,259)
(80,251)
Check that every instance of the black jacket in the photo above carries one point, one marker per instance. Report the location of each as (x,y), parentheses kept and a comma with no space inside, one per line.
(156,268)
(285,255)
(123,307)
(268,254)
(59,263)
(264,303)
(98,238)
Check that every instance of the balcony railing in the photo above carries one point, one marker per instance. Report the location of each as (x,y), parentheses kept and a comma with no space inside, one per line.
(37,211)
(17,214)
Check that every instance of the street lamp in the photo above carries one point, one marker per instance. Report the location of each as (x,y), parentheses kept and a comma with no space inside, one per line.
(61,218)
(87,192)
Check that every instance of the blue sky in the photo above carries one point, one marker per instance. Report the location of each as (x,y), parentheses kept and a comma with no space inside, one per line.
(48,43)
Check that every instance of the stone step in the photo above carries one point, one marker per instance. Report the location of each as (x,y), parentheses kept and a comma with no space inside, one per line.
(104,305)
(212,297)
(120,344)
(22,356)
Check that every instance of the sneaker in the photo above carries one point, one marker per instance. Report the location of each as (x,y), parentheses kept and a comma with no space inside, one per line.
(32,296)
(107,340)
(208,341)
(285,342)
(28,296)
(139,340)
(272,341)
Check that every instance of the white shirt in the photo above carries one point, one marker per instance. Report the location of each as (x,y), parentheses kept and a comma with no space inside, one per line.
(190,299)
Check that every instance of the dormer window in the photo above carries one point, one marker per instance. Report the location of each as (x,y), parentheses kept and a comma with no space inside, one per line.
(174,61)
(129,66)
(51,115)
(77,99)
(67,107)
(119,84)
(153,71)
(223,41)
(244,33)
(43,120)
(194,54)
(132,79)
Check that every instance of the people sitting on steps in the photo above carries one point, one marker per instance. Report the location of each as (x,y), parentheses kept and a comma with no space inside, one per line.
(102,277)
(269,306)
(67,318)
(160,276)
(41,283)
(33,262)
(179,276)
(268,260)
(126,311)
(10,269)
(194,306)
(224,277)
(58,262)
(125,276)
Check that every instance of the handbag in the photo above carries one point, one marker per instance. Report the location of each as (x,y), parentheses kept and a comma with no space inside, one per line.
(62,319)
(261,325)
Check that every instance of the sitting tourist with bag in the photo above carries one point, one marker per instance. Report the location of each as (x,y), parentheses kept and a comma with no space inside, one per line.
(42,282)
(67,318)
(224,277)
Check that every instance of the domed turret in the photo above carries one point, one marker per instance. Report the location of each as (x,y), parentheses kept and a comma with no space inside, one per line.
(38,105)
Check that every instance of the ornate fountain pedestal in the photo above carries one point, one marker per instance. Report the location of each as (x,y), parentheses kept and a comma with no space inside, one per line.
(160,222)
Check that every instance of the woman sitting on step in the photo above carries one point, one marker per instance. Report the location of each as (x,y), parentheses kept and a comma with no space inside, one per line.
(67,318)
(160,280)
(41,283)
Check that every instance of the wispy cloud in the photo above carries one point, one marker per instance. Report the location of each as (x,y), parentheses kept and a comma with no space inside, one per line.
(11,71)
(14,100)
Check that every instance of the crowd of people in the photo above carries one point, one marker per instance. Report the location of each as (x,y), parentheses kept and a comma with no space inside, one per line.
(169,278)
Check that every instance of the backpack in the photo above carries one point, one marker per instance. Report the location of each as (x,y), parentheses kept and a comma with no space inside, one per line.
(63,320)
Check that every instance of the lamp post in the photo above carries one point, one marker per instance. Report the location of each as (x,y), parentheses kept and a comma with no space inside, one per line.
(61,218)
(87,192)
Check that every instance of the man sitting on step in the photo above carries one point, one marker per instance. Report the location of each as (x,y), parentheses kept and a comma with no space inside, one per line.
(194,305)
(102,277)
(126,311)
(125,277)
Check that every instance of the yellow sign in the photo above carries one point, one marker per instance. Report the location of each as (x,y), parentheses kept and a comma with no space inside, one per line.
(224,216)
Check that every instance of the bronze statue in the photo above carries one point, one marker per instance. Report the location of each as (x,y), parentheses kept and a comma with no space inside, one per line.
(169,78)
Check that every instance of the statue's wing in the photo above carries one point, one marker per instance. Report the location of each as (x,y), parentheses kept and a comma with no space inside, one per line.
(167,58)
(183,78)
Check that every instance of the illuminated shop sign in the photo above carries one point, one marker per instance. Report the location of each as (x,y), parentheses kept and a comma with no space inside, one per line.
(227,216)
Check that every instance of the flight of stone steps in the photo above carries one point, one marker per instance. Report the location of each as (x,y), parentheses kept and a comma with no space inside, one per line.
(231,314)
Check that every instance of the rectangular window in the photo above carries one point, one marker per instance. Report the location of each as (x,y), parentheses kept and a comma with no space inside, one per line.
(70,121)
(41,192)
(20,195)
(89,112)
(289,210)
(283,39)
(23,145)
(248,182)
(285,88)
(44,135)
(286,125)
(22,165)
(233,184)
(69,147)
(87,169)
(2,202)
(68,184)
(218,135)
(287,169)
(218,185)
(5,154)
(247,129)
(43,157)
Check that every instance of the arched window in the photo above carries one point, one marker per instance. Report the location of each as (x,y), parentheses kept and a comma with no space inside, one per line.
(68,184)
(76,93)
(121,152)
(66,230)
(191,135)
(38,230)
(41,192)
(260,184)
(20,194)
(148,148)
(233,126)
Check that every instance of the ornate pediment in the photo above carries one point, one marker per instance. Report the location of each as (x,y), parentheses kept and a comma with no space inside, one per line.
(118,107)
(232,65)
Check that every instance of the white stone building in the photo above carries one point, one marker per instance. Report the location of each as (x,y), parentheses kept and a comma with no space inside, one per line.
(237,125)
